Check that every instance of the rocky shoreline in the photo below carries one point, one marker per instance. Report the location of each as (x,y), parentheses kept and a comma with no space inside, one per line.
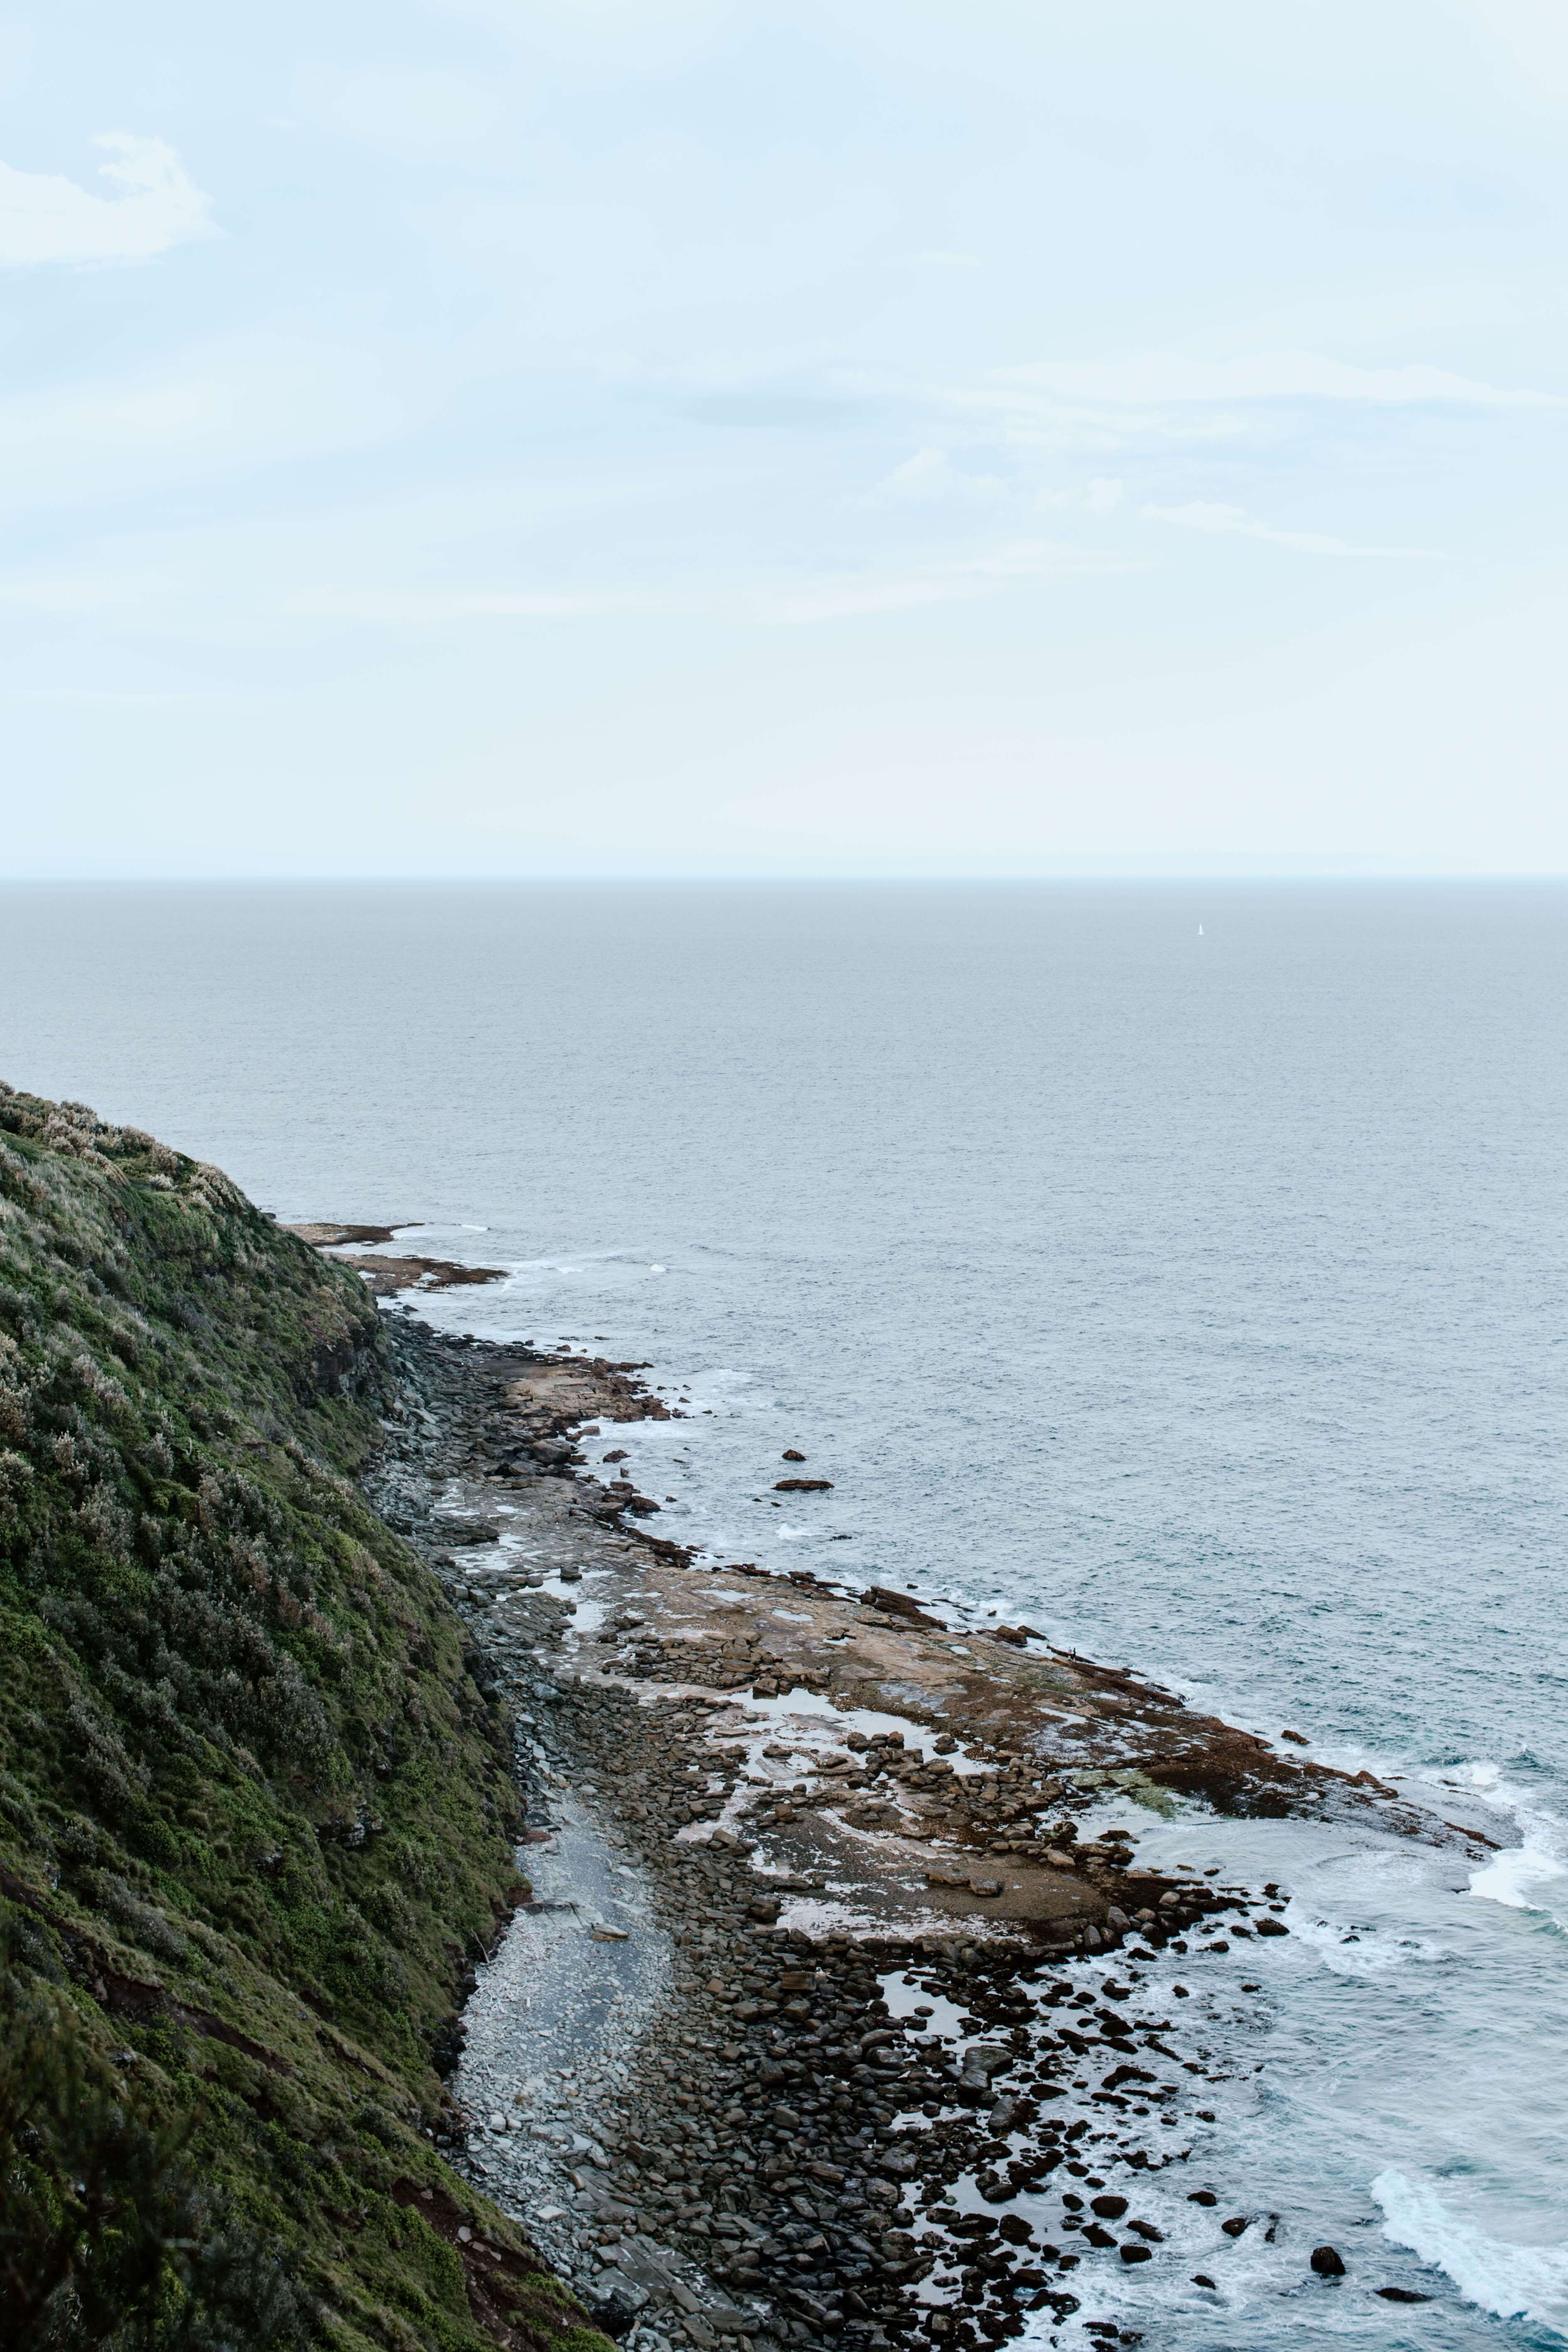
(824,2022)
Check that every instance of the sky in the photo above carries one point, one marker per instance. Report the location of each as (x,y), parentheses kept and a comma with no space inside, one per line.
(639,437)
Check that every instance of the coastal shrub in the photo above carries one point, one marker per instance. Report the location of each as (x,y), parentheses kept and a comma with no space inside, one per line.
(17,1806)
(104,2240)
(142,1921)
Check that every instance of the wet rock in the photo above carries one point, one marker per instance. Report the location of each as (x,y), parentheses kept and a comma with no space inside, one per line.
(801,1486)
(1326,2260)
(1266,1927)
(1109,2209)
(1236,2224)
(1401,2295)
(791,1454)
(1134,2253)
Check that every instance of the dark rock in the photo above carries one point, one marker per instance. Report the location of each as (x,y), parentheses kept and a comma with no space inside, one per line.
(801,1486)
(1136,2253)
(1326,2261)
(791,1454)
(1401,2295)
(1109,2209)
(1201,2278)
(1271,1928)
(1236,2224)
(615,2302)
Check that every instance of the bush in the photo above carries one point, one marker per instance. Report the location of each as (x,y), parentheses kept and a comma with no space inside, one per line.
(103,2240)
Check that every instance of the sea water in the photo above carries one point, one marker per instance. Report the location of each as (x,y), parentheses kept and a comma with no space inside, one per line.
(1178,1268)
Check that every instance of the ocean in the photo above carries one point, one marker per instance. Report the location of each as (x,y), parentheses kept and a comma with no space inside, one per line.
(1179,1267)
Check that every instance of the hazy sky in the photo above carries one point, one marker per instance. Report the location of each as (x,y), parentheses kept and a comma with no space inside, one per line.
(876,436)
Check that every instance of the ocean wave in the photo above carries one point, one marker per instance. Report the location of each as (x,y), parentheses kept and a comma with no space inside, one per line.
(1511,2281)
(1352,1948)
(1534,1874)
(1528,1877)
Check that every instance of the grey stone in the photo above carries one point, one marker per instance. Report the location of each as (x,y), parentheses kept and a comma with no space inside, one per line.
(615,2300)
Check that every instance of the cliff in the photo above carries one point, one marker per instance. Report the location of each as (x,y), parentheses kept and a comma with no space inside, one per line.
(256,1816)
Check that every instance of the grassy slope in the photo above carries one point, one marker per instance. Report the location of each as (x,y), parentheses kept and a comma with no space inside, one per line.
(254,1814)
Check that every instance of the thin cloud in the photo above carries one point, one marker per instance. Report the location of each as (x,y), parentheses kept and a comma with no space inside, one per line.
(843,604)
(1164,398)
(425,608)
(930,479)
(46,218)
(1101,496)
(1166,379)
(1198,515)
(974,575)
(57,597)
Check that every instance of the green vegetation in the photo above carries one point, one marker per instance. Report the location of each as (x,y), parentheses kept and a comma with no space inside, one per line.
(255,1815)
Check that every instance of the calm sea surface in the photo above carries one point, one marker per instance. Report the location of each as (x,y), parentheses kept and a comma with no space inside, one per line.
(1180,1267)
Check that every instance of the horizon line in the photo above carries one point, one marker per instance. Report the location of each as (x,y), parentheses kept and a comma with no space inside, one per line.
(1211,874)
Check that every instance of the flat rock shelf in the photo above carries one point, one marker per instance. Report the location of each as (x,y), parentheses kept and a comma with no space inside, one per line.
(823,2024)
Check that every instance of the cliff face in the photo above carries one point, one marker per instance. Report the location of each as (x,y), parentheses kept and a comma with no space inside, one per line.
(255,1816)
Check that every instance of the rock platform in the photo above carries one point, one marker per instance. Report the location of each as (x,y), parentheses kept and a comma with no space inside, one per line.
(825,2023)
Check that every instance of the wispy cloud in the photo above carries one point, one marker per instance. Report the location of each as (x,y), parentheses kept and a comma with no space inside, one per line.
(1199,514)
(1168,379)
(985,572)
(930,479)
(196,413)
(1101,496)
(46,218)
(57,597)
(435,607)
(1165,398)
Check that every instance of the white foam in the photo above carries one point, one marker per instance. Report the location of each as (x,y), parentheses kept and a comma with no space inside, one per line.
(1511,2281)
(1348,1949)
(1534,1874)
(1528,1877)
